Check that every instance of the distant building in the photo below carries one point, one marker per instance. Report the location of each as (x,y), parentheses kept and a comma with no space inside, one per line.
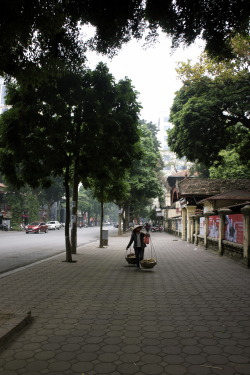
(3,106)
(172,164)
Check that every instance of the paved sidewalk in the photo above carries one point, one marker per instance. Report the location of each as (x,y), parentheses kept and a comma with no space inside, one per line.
(190,315)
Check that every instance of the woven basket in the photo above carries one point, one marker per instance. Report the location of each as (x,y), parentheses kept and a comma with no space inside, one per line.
(131,259)
(148,263)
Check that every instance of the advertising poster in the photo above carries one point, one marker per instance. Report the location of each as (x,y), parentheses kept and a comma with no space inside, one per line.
(202,226)
(234,228)
(213,226)
(179,225)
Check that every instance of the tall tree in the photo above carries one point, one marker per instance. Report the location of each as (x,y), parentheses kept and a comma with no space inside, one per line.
(211,111)
(144,177)
(71,121)
(114,136)
(35,137)
(117,146)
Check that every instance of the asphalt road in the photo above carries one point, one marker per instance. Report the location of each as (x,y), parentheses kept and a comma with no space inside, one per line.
(18,249)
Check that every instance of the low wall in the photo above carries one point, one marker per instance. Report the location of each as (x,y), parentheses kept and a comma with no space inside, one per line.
(214,231)
(233,250)
(200,240)
(212,243)
(173,232)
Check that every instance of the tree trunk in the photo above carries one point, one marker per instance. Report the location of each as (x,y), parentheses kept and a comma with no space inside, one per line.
(120,222)
(101,224)
(74,208)
(49,211)
(67,194)
(126,219)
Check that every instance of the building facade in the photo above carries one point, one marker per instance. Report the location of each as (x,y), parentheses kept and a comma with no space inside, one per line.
(214,213)
(3,106)
(171,163)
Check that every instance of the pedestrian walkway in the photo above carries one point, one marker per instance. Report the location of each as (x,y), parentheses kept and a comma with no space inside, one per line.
(189,315)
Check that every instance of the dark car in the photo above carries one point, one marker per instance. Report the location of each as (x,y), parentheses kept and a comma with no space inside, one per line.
(37,227)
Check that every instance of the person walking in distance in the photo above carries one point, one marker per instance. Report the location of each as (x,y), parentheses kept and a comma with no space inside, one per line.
(137,237)
(147,227)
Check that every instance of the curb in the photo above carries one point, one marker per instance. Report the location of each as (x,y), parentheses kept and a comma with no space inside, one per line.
(13,322)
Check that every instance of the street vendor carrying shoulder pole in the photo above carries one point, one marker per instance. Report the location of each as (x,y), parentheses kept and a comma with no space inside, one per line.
(137,237)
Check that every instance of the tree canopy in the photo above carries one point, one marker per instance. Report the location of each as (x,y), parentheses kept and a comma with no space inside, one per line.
(230,166)
(85,115)
(60,127)
(42,32)
(144,180)
(210,112)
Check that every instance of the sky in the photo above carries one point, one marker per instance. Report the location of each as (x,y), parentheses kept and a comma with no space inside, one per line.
(152,72)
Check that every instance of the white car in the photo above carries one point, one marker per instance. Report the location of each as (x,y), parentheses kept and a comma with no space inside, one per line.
(53,225)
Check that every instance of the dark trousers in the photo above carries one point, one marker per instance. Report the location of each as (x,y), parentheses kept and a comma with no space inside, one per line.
(139,253)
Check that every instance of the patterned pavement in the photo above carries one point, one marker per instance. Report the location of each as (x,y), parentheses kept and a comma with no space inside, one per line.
(189,315)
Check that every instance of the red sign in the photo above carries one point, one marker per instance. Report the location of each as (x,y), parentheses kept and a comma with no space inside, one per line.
(234,228)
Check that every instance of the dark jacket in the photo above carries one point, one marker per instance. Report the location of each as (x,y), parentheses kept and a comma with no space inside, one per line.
(134,239)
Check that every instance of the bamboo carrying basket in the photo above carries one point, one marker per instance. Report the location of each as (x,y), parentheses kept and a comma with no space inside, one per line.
(146,263)
(149,262)
(130,258)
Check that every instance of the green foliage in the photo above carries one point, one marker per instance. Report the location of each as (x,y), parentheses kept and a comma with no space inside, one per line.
(54,193)
(230,167)
(17,208)
(110,212)
(200,170)
(211,111)
(115,134)
(61,127)
(23,201)
(33,206)
(135,186)
(144,177)
(35,32)
(87,203)
(74,116)
(115,140)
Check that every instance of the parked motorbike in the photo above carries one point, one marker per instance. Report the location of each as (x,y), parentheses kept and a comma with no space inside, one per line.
(83,226)
(4,227)
(156,228)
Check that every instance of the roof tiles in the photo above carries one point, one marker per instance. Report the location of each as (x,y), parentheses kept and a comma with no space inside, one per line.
(209,187)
